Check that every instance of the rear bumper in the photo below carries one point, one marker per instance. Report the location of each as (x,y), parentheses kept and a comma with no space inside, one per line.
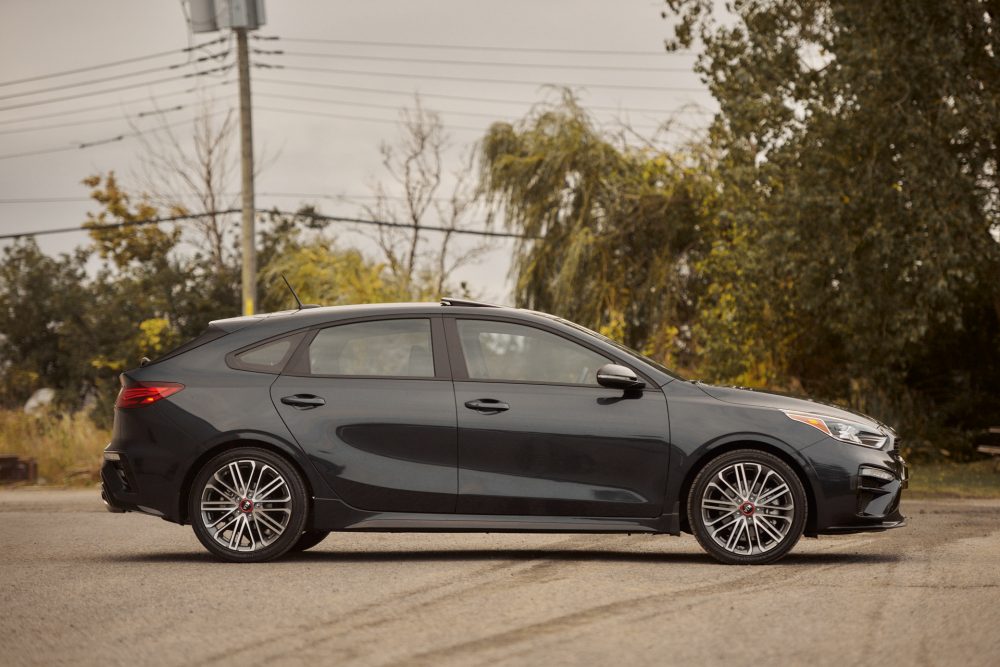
(110,503)
(119,490)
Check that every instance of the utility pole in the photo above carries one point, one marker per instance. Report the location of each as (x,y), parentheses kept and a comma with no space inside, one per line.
(246,168)
(241,16)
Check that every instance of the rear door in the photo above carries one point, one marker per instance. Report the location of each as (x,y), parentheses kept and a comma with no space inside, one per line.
(538,436)
(372,404)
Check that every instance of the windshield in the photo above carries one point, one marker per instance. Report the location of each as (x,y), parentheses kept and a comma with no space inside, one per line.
(624,348)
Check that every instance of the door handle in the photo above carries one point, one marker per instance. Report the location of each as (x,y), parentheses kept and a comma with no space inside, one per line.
(303,401)
(489,406)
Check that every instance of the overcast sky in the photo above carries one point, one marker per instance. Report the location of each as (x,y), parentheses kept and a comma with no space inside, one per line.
(329,159)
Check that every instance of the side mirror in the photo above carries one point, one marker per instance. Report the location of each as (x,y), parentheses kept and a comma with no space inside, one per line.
(618,377)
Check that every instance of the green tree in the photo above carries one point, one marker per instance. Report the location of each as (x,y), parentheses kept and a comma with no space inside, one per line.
(320,271)
(43,310)
(855,251)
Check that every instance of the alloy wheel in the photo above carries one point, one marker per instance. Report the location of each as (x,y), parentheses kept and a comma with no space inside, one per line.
(246,505)
(748,508)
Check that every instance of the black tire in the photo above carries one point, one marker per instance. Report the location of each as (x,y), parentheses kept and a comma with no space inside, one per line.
(269,467)
(308,540)
(728,500)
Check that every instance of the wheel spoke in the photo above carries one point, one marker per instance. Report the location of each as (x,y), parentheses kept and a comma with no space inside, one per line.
(769,529)
(734,537)
(773,494)
(741,481)
(729,486)
(228,489)
(720,505)
(718,519)
(271,487)
(269,522)
(216,504)
(753,484)
(237,476)
(219,531)
(724,526)
(256,485)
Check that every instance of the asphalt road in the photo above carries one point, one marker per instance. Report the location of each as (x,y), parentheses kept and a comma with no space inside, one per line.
(81,586)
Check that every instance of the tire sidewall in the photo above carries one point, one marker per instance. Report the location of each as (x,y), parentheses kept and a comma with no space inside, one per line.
(705,476)
(296,523)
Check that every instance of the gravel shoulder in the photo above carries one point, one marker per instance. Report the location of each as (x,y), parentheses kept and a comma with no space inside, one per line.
(81,586)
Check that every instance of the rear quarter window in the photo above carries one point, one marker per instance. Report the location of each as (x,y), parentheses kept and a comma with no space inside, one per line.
(267,357)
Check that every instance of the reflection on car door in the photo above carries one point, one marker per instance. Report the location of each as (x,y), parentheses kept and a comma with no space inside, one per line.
(373,406)
(538,436)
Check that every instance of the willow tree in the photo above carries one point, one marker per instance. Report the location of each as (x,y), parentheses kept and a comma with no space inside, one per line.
(610,230)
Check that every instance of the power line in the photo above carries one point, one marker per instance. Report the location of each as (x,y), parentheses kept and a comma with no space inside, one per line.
(108,119)
(43,200)
(118,225)
(105,91)
(462,98)
(476,63)
(312,216)
(125,61)
(390,107)
(114,77)
(473,47)
(403,225)
(98,107)
(364,119)
(291,195)
(476,79)
(491,116)
(101,142)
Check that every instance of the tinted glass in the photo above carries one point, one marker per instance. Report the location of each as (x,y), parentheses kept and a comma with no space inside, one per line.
(268,356)
(398,348)
(503,351)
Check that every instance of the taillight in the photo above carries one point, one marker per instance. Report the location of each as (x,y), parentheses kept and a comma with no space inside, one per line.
(145,393)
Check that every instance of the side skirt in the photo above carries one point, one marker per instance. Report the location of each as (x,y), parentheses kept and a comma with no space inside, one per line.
(335,515)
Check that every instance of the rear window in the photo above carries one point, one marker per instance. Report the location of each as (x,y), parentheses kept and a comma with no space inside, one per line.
(385,348)
(206,336)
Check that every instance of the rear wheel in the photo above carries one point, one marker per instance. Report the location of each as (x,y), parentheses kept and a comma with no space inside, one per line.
(309,539)
(747,507)
(248,505)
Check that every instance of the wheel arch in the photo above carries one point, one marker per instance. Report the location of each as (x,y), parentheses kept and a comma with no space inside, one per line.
(750,441)
(234,441)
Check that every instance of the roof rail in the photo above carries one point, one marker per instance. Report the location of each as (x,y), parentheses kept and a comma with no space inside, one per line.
(451,301)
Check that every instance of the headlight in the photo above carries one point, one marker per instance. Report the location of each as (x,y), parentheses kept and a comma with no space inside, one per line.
(841,429)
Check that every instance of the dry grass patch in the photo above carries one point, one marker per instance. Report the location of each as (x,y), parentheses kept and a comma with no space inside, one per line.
(67,447)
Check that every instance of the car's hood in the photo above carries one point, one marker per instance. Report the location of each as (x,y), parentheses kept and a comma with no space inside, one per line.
(764,399)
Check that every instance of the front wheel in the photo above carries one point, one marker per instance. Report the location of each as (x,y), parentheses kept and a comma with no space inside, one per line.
(747,507)
(248,505)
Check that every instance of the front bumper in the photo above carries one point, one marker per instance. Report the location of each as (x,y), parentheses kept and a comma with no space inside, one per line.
(857,489)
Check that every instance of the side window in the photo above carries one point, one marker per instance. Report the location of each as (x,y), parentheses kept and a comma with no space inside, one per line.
(503,351)
(267,358)
(393,348)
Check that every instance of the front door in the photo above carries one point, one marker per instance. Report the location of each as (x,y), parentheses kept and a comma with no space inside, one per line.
(538,436)
(374,410)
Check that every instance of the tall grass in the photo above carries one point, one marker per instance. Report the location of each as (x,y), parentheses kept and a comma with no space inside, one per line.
(67,447)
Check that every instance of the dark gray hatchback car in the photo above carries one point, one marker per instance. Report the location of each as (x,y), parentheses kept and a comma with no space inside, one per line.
(266,433)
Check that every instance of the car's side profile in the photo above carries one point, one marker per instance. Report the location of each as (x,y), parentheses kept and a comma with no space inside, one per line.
(267,433)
